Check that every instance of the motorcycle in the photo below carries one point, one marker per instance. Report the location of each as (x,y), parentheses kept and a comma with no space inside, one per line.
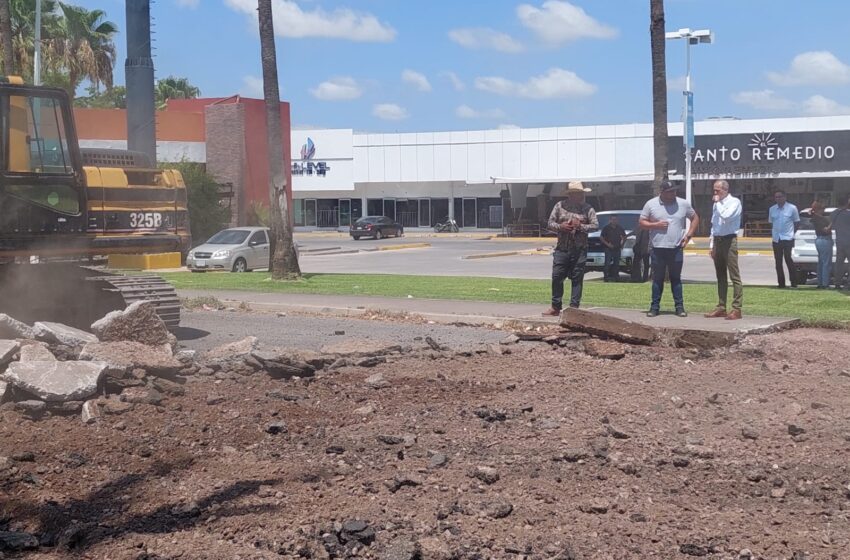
(449,226)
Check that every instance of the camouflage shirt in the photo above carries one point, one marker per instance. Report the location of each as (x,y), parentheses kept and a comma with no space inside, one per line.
(564,212)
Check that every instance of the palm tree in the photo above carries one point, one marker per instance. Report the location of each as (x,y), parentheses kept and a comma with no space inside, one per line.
(284,259)
(23,37)
(6,32)
(85,46)
(174,88)
(659,88)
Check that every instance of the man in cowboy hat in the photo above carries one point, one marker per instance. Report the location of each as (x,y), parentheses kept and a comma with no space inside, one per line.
(665,217)
(572,219)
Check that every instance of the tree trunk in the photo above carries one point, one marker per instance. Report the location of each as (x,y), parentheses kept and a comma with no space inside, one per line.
(6,33)
(659,88)
(284,258)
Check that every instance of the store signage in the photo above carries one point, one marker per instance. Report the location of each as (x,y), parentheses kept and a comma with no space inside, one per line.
(307,167)
(764,154)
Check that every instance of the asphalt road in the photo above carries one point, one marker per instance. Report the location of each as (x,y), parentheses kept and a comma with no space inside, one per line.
(202,330)
(445,258)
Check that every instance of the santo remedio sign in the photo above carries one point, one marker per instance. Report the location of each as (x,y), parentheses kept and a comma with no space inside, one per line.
(764,154)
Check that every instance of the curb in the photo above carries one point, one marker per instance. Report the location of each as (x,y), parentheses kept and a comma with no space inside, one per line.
(491,255)
(403,246)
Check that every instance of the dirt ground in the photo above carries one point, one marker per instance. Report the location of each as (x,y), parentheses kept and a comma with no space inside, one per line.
(542,453)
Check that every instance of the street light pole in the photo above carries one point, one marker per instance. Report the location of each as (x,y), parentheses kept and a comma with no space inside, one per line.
(36,71)
(691,37)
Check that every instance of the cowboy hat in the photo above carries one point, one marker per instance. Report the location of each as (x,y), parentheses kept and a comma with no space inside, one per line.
(577,186)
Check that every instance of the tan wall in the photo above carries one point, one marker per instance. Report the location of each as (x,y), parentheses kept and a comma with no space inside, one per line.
(111,124)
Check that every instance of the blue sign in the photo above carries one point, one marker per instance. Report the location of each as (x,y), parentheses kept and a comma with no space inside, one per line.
(689,121)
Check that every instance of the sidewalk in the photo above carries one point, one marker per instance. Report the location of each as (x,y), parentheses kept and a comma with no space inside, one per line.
(472,312)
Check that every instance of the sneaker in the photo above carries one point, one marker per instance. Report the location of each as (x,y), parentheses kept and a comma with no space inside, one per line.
(680,312)
(652,313)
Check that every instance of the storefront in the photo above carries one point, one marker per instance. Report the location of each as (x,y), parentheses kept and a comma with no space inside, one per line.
(495,178)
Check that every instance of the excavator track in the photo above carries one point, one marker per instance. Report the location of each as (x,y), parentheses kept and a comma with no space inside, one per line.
(79,295)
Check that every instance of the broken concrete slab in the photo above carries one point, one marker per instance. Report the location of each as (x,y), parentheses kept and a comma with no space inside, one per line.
(361,348)
(36,352)
(91,412)
(61,334)
(605,349)
(56,381)
(12,328)
(8,350)
(124,356)
(139,322)
(607,326)
(3,388)
(282,365)
(232,351)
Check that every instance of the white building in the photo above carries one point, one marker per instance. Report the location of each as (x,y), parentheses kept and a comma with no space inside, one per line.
(423,178)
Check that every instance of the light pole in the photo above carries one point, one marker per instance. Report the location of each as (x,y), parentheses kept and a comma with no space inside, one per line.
(36,72)
(691,38)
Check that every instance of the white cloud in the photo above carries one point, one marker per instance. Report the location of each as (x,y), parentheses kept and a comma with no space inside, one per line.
(341,23)
(467,112)
(417,80)
(677,83)
(188,3)
(389,112)
(820,106)
(342,88)
(507,127)
(560,22)
(813,68)
(252,86)
(556,83)
(485,38)
(764,100)
(457,83)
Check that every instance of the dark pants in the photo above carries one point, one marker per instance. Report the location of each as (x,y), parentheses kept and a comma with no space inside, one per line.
(842,253)
(782,250)
(664,262)
(726,268)
(568,264)
(612,263)
(640,268)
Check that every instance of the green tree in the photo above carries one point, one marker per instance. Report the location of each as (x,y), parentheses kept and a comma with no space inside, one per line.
(115,98)
(174,88)
(284,258)
(23,37)
(84,45)
(206,214)
(6,37)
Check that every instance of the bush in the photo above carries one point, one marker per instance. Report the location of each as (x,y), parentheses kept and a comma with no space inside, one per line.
(206,214)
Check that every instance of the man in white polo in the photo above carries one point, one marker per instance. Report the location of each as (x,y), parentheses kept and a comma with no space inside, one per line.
(725,223)
(784,219)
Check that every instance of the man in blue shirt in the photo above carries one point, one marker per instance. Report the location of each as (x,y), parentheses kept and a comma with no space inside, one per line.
(784,218)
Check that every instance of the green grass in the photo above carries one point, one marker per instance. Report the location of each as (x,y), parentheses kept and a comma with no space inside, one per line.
(822,307)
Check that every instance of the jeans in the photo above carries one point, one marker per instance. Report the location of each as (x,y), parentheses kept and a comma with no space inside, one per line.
(568,264)
(612,263)
(666,261)
(726,264)
(824,247)
(782,249)
(842,252)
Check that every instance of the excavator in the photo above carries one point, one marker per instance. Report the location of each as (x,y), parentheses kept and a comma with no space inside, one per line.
(63,209)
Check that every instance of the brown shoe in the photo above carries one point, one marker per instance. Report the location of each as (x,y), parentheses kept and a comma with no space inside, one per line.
(716,314)
(551,312)
(734,315)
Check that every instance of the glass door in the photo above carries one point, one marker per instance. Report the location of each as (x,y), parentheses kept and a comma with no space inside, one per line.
(310,212)
(389,208)
(470,209)
(344,212)
(424,212)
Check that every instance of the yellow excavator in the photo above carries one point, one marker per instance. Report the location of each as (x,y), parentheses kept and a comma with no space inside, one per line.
(62,208)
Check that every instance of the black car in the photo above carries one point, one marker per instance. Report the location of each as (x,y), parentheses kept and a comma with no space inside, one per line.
(376,227)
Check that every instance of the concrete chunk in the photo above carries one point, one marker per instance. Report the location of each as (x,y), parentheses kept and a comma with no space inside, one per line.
(607,326)
(138,323)
(36,352)
(62,334)
(8,349)
(360,348)
(126,356)
(232,350)
(56,381)
(91,412)
(3,388)
(12,328)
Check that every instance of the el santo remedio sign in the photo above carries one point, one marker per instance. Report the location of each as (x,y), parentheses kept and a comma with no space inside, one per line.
(763,147)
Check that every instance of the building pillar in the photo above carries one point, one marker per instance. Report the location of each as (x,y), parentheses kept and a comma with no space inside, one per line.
(226,154)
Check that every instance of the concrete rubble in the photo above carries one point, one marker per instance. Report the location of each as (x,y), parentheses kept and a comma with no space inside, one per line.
(12,328)
(138,322)
(46,331)
(56,381)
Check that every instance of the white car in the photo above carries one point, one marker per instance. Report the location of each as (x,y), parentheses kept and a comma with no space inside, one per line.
(805,254)
(236,249)
(596,250)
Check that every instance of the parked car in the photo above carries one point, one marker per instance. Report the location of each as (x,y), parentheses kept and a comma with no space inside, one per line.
(236,249)
(596,250)
(805,254)
(376,227)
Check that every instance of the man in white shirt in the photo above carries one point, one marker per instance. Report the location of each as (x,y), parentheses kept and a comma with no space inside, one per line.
(725,223)
(784,219)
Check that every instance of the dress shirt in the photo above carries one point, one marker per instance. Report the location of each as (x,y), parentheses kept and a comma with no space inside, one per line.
(726,216)
(783,220)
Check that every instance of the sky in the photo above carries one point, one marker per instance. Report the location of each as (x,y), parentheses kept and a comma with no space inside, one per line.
(440,65)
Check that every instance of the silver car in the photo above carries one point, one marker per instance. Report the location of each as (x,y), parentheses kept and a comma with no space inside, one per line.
(237,249)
